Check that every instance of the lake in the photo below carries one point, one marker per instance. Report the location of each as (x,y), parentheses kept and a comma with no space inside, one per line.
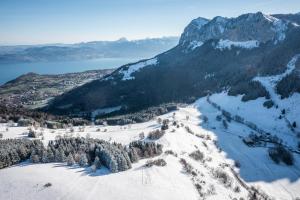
(13,70)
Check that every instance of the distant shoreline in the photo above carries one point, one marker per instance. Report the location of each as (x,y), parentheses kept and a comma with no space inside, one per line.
(12,71)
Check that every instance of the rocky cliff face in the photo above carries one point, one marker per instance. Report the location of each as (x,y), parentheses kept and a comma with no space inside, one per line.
(251,26)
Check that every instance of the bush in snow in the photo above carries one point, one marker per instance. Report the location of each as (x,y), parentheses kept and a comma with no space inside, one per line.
(237,164)
(225,125)
(189,130)
(268,104)
(197,155)
(159,120)
(294,124)
(218,117)
(279,153)
(1,135)
(170,152)
(32,134)
(142,135)
(156,134)
(158,162)
(165,124)
(223,177)
(47,185)
(237,189)
(204,118)
(227,115)
(187,167)
(141,149)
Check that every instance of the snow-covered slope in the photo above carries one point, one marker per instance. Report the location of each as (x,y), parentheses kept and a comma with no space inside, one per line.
(225,155)
(227,44)
(127,73)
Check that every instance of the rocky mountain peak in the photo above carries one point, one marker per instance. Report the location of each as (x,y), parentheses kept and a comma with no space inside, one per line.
(247,27)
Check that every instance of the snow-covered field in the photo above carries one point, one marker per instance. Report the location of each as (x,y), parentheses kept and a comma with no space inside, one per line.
(221,148)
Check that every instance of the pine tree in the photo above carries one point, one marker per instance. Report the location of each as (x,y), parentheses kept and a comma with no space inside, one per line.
(34,157)
(23,153)
(50,155)
(70,160)
(133,155)
(44,157)
(97,162)
(61,155)
(83,161)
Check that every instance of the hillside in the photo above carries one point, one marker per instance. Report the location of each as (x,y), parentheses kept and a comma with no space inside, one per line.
(222,53)
(34,90)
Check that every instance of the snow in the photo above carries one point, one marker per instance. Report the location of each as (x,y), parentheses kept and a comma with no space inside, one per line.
(102,111)
(227,44)
(270,82)
(195,44)
(279,27)
(127,73)
(291,104)
(208,76)
(76,183)
(270,18)
(256,168)
(221,148)
(254,111)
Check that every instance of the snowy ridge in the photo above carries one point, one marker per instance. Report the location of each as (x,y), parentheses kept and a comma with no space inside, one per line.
(227,44)
(279,27)
(127,73)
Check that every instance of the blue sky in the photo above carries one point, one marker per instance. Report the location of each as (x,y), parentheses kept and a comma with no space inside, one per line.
(68,21)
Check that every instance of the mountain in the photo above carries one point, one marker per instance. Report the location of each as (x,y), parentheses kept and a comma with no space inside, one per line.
(89,50)
(221,54)
(238,139)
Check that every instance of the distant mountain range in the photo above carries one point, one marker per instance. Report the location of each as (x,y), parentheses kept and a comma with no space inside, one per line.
(221,54)
(89,50)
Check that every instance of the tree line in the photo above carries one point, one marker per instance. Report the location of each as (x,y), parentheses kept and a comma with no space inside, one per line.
(82,151)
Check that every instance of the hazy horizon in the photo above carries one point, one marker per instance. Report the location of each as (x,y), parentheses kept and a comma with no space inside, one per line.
(78,42)
(50,22)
